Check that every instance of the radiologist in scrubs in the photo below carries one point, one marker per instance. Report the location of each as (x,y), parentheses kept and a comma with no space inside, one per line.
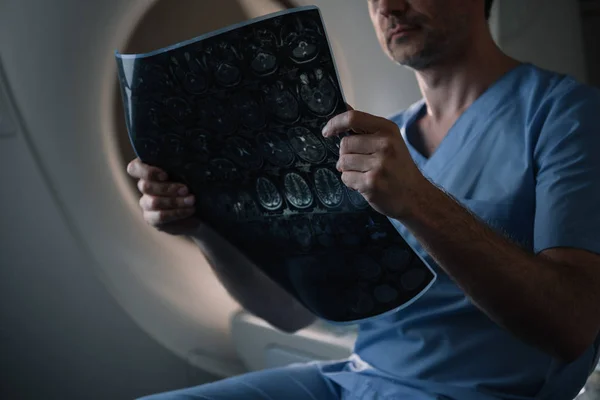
(494,177)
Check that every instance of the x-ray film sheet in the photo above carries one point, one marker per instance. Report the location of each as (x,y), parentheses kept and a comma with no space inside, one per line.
(236,115)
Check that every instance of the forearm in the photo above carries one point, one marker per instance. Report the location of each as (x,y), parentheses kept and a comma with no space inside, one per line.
(249,286)
(536,299)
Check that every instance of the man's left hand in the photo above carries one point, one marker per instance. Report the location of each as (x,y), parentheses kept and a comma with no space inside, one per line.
(376,162)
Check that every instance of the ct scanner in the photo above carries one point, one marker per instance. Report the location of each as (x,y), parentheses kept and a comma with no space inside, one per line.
(95,303)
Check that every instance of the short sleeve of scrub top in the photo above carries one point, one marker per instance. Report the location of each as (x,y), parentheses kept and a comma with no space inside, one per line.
(567,166)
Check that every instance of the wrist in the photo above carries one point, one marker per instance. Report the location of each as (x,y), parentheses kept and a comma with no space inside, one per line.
(419,201)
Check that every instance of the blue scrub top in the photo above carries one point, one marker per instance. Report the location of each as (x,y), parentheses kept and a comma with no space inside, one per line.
(525,158)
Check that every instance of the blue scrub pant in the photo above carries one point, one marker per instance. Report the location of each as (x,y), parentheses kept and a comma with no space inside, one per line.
(336,380)
(328,380)
(296,382)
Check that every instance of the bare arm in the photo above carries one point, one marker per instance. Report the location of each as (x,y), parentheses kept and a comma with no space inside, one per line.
(244,281)
(550,301)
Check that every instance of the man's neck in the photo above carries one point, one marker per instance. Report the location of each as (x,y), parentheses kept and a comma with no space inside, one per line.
(450,88)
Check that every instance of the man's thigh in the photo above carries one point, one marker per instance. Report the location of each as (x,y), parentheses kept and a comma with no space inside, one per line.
(297,382)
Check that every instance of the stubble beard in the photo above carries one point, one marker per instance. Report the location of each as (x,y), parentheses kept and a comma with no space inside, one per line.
(424,58)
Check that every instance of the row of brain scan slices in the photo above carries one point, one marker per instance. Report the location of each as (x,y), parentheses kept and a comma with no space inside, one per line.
(315,90)
(298,145)
(328,189)
(263,52)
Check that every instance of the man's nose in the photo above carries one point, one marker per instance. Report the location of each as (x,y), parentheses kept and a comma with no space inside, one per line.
(387,7)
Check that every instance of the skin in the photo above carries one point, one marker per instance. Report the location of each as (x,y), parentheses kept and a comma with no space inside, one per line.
(455,60)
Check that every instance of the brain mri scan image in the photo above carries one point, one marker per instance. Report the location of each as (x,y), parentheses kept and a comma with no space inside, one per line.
(268,194)
(304,50)
(236,115)
(264,63)
(329,187)
(302,39)
(263,49)
(275,149)
(282,103)
(318,92)
(306,145)
(297,191)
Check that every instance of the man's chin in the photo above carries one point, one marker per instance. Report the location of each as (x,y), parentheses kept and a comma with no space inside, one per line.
(413,62)
(406,50)
(402,57)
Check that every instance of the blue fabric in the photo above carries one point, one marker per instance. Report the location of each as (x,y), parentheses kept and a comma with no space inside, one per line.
(336,380)
(296,382)
(525,159)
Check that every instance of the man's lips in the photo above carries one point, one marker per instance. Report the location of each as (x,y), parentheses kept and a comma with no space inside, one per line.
(401,30)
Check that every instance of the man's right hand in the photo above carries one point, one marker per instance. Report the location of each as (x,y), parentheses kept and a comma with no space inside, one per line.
(167,206)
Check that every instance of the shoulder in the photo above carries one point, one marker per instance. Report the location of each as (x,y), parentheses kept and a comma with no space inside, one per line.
(549,94)
(563,121)
(556,106)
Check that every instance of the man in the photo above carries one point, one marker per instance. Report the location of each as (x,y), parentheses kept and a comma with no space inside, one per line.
(494,178)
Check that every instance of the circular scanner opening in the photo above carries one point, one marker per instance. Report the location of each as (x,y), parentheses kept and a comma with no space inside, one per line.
(168,22)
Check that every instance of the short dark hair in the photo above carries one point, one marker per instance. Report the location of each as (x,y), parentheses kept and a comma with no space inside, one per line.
(488,8)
